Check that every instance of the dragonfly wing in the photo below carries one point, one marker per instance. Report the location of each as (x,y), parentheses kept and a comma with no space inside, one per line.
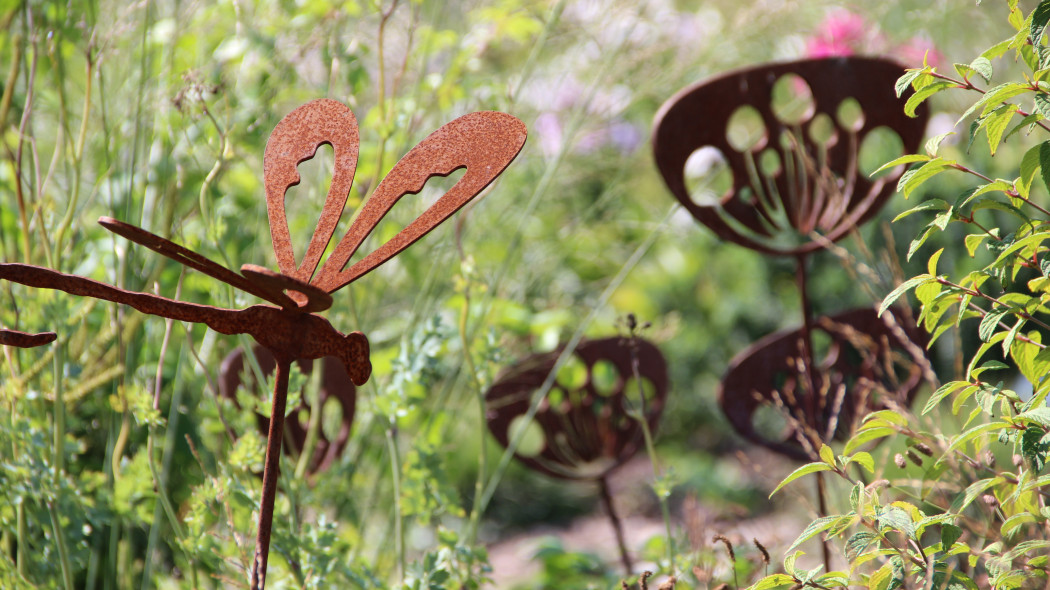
(193,260)
(484,143)
(293,141)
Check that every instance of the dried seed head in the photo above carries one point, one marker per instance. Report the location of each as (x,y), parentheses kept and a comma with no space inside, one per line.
(898,460)
(762,549)
(914,458)
(668,584)
(989,499)
(729,546)
(877,485)
(924,449)
(1017,460)
(643,580)
(701,575)
(624,586)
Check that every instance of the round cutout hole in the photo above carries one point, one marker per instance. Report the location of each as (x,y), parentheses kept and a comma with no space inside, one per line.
(792,100)
(849,115)
(331,418)
(745,130)
(532,440)
(573,374)
(769,162)
(605,377)
(822,131)
(879,146)
(707,176)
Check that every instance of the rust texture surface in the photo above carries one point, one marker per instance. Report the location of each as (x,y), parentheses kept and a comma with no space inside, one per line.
(335,385)
(587,420)
(484,143)
(869,364)
(24,340)
(818,187)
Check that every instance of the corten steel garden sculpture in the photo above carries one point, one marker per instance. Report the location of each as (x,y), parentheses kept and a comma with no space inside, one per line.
(590,422)
(794,189)
(335,385)
(484,143)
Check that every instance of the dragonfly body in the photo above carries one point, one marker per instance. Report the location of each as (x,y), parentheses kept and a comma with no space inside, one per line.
(288,333)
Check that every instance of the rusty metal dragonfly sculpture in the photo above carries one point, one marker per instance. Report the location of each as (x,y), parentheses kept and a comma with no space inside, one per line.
(484,143)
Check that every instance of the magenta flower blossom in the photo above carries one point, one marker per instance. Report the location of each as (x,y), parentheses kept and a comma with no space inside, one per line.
(841,33)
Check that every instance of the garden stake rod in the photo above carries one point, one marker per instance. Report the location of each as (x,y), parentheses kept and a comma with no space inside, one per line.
(484,143)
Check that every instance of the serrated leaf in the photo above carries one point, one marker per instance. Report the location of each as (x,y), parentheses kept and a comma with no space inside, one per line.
(983,66)
(773,581)
(922,94)
(814,528)
(1041,102)
(904,82)
(976,431)
(934,143)
(1040,416)
(901,289)
(1044,162)
(863,437)
(931,204)
(1031,163)
(858,544)
(942,392)
(1016,521)
(949,535)
(995,123)
(931,265)
(913,178)
(908,159)
(801,471)
(1040,17)
(990,323)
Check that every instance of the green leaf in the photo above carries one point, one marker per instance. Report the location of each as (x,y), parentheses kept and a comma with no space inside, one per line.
(934,143)
(827,455)
(1040,17)
(972,241)
(983,66)
(1042,104)
(1030,164)
(931,265)
(865,436)
(773,581)
(904,82)
(908,159)
(913,178)
(896,518)
(972,491)
(935,204)
(901,289)
(990,322)
(995,124)
(864,459)
(816,527)
(804,470)
(949,535)
(858,544)
(1040,416)
(922,94)
(1044,162)
(944,391)
(977,431)
(1016,521)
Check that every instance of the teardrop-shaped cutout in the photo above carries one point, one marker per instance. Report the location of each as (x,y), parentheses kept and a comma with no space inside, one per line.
(707,176)
(745,130)
(792,100)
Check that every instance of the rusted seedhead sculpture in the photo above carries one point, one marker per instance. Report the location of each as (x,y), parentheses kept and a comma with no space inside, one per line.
(335,385)
(796,185)
(484,143)
(790,135)
(590,418)
(869,364)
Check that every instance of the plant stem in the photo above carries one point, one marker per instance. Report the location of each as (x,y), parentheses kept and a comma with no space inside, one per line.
(617,524)
(399,524)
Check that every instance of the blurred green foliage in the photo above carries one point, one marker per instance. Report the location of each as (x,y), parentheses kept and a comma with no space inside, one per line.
(157,113)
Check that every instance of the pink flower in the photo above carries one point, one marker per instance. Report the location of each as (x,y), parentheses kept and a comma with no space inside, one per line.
(914,50)
(841,33)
